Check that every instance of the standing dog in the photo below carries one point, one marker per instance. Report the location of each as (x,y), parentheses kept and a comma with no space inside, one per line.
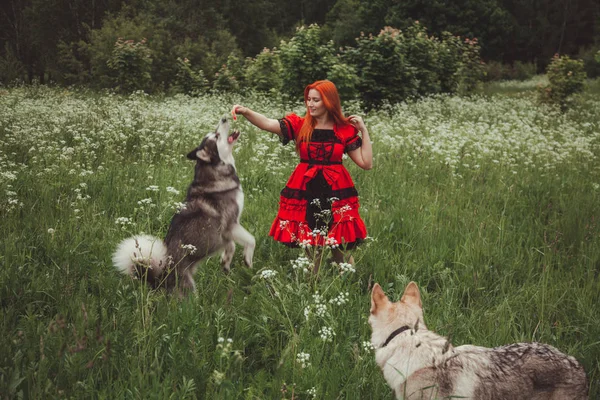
(209,223)
(419,364)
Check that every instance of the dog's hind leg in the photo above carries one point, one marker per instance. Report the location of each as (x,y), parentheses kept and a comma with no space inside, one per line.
(244,238)
(186,285)
(227,256)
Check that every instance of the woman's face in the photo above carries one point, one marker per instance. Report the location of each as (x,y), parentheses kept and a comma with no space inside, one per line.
(314,104)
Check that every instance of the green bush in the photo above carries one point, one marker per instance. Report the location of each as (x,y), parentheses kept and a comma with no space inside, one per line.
(11,69)
(73,63)
(591,61)
(496,71)
(263,73)
(102,44)
(471,70)
(395,65)
(523,71)
(229,78)
(189,80)
(566,77)
(449,60)
(131,61)
(422,53)
(305,59)
(344,77)
(384,73)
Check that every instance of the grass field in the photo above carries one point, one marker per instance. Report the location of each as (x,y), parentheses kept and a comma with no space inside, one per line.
(489,203)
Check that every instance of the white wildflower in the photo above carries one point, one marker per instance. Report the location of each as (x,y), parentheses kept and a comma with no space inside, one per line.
(331,242)
(303,359)
(301,263)
(172,190)
(144,202)
(189,247)
(124,222)
(305,244)
(326,334)
(341,299)
(268,274)
(346,267)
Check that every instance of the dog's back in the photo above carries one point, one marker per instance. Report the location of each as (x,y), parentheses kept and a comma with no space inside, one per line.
(420,364)
(521,371)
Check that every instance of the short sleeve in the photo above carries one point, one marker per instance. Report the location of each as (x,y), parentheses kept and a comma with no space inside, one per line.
(353,143)
(290,126)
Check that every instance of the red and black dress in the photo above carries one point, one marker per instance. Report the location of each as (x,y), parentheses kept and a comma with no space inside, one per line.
(319,204)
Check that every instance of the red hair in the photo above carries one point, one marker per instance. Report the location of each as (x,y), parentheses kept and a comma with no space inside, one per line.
(332,103)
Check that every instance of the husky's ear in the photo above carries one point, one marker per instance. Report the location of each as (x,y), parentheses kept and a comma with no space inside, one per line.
(378,299)
(199,154)
(412,295)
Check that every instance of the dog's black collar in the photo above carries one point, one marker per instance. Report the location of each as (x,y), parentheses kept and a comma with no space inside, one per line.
(394,334)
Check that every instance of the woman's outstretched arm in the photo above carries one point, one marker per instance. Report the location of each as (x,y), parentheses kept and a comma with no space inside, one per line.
(257,119)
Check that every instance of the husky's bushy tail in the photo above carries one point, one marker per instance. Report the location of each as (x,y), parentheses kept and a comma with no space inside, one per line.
(143,257)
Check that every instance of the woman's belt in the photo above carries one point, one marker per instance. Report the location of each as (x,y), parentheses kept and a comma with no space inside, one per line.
(320,162)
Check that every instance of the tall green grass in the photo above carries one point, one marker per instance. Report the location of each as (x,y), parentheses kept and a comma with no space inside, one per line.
(489,203)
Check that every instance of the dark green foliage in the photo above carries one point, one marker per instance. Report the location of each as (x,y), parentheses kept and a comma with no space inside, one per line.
(496,71)
(343,75)
(396,65)
(131,62)
(591,60)
(103,44)
(229,77)
(383,71)
(71,43)
(11,69)
(189,80)
(566,77)
(305,59)
(263,73)
(470,72)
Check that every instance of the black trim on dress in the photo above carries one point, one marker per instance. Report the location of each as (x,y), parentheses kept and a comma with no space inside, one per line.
(354,145)
(299,194)
(285,136)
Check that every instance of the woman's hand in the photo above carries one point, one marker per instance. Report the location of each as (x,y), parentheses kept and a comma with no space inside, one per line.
(357,122)
(237,109)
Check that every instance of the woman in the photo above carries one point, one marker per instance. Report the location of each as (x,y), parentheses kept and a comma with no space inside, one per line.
(319,204)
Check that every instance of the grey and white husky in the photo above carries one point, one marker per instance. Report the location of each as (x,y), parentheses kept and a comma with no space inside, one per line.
(208,224)
(419,364)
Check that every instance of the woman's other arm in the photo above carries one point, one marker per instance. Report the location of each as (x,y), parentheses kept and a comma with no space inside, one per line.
(363,156)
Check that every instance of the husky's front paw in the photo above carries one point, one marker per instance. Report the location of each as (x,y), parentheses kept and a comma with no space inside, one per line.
(245,238)
(248,255)
(227,256)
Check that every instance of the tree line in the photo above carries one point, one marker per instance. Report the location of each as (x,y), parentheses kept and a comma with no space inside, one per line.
(71,41)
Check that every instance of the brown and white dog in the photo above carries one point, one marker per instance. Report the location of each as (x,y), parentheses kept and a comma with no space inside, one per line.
(420,364)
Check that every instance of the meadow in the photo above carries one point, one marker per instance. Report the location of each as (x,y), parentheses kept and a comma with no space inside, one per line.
(489,203)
